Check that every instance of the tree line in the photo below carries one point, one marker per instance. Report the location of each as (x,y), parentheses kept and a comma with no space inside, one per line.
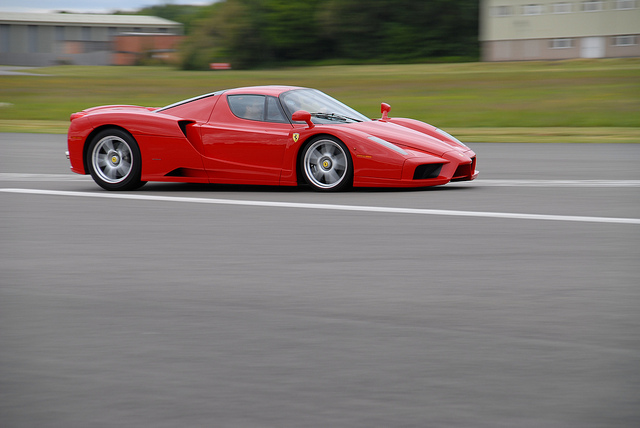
(263,33)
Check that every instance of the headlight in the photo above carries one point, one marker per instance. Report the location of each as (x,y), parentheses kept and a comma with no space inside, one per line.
(388,145)
(446,134)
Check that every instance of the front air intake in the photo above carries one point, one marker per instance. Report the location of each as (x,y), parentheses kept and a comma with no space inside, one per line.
(426,171)
(464,172)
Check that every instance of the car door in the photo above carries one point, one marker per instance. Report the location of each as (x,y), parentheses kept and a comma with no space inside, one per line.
(245,140)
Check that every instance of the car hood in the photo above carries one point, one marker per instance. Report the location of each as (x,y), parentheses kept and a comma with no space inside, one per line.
(402,136)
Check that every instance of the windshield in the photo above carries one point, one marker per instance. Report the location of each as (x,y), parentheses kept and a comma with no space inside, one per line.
(322,107)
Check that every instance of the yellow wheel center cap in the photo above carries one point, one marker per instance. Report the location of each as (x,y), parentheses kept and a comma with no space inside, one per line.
(325,164)
(114,159)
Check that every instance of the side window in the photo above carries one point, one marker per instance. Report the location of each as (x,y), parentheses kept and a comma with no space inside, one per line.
(256,107)
(274,112)
(247,106)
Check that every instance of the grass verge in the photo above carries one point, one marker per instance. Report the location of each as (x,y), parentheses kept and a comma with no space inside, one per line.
(579,100)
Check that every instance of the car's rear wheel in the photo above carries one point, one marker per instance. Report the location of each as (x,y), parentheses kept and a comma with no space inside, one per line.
(114,161)
(326,164)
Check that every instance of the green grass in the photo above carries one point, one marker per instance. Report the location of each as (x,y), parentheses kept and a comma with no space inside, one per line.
(590,100)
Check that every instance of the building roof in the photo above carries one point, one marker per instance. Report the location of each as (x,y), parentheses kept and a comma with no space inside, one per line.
(86,19)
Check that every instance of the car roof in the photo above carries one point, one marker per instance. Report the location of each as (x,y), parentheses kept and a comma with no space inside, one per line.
(273,90)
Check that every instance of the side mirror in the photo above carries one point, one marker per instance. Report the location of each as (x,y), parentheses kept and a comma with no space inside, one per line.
(302,116)
(385,109)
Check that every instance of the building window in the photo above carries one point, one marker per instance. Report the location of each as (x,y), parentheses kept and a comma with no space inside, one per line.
(86,33)
(624,4)
(502,11)
(561,43)
(532,9)
(32,39)
(562,8)
(625,41)
(5,42)
(591,6)
(59,33)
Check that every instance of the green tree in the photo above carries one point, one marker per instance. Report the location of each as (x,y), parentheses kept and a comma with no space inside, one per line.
(403,29)
(229,34)
(291,29)
(250,33)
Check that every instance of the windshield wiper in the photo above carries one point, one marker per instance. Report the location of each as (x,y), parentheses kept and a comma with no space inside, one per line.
(334,116)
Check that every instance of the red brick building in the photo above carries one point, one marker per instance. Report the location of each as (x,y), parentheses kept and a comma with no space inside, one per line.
(133,48)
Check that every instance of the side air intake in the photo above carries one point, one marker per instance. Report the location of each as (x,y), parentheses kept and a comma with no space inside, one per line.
(183,126)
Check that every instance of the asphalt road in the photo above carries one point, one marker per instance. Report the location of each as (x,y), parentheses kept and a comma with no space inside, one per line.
(511,301)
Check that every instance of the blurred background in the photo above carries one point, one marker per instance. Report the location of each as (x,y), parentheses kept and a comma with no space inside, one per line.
(458,64)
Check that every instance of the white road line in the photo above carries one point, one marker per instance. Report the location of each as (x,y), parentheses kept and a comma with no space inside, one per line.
(8,176)
(553,183)
(355,208)
(11,176)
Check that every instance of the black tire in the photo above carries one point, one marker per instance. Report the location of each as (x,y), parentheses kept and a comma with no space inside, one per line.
(326,164)
(114,161)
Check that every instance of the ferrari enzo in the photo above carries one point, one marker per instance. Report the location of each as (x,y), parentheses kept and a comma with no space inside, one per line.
(271,135)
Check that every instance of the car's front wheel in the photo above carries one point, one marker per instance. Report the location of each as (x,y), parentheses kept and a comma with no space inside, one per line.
(326,164)
(114,161)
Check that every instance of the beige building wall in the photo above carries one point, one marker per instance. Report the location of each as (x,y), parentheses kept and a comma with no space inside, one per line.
(559,29)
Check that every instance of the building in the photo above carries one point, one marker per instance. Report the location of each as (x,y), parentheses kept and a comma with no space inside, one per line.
(513,30)
(134,48)
(43,39)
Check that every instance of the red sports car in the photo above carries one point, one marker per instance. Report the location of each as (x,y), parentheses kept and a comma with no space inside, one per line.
(273,135)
